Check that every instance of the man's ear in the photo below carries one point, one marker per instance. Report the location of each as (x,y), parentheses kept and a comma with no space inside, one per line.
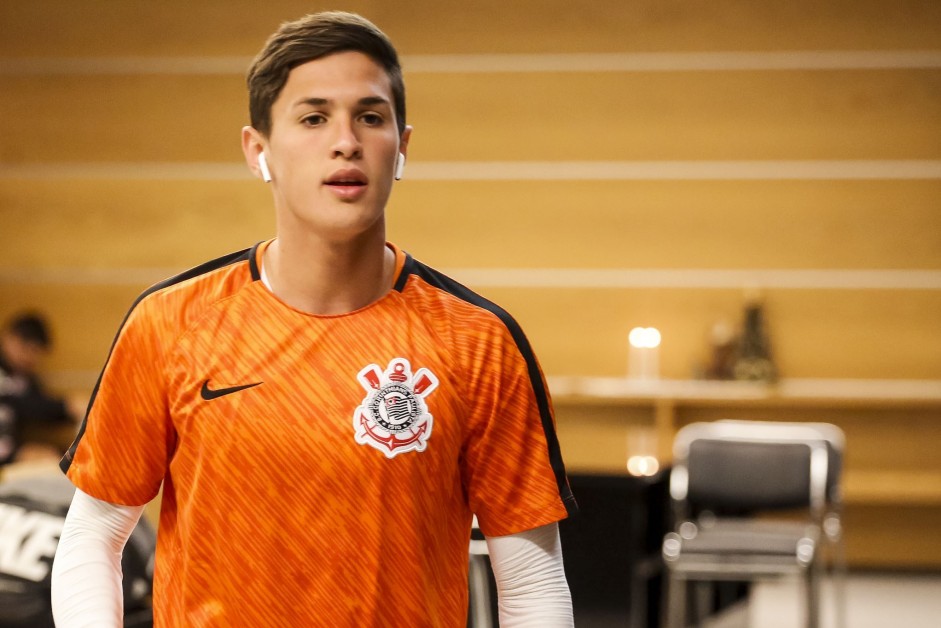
(403,140)
(403,151)
(253,146)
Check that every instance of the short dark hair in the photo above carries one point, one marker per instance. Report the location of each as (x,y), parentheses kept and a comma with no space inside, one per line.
(31,328)
(313,37)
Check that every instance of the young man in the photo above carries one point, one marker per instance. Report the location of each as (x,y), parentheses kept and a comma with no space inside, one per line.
(325,413)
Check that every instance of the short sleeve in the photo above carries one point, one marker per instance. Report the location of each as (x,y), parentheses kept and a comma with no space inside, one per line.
(513,467)
(123,447)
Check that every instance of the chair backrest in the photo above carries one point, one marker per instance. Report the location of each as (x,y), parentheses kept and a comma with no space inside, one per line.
(740,467)
(836,444)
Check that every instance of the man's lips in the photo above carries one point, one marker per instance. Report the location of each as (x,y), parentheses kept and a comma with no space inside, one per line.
(348,185)
(345,178)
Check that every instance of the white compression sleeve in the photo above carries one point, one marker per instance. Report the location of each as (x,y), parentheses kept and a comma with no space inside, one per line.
(86,572)
(531,584)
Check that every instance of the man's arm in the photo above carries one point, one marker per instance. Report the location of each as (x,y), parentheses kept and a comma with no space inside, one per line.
(86,573)
(531,585)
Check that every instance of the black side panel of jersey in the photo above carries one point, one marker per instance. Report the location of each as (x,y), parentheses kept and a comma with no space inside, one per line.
(221,262)
(445,283)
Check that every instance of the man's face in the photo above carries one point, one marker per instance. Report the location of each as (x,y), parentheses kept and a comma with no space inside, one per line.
(333,145)
(22,355)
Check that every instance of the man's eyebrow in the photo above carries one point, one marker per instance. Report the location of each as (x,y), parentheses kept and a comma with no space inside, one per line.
(367,101)
(374,100)
(314,102)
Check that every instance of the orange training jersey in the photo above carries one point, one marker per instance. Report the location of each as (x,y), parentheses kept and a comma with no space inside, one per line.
(319,470)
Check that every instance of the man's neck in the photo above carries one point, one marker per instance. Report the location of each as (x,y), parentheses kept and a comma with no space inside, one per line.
(328,278)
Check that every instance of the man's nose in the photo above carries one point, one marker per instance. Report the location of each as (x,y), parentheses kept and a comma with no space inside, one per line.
(346,143)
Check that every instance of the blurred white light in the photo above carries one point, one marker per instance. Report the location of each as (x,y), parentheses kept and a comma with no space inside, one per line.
(688,530)
(644,337)
(643,466)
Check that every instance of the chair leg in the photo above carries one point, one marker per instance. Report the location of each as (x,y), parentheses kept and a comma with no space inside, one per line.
(675,612)
(638,611)
(839,582)
(702,602)
(479,615)
(812,584)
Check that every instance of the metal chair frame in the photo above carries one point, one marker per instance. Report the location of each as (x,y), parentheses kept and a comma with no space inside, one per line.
(836,565)
(710,548)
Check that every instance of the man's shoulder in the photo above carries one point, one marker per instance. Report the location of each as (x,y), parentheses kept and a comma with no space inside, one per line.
(184,295)
(421,281)
(440,295)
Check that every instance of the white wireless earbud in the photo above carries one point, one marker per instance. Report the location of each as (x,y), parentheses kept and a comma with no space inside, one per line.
(263,166)
(399,166)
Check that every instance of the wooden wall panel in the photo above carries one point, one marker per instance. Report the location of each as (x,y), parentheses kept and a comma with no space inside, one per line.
(136,90)
(583,225)
(839,334)
(898,537)
(124,225)
(822,334)
(861,114)
(134,228)
(678,115)
(671,224)
(147,118)
(222,27)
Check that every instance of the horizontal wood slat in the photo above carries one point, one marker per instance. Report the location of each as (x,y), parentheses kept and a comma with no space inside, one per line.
(584,332)
(740,115)
(856,334)
(871,114)
(124,118)
(212,27)
(872,224)
(107,224)
(527,225)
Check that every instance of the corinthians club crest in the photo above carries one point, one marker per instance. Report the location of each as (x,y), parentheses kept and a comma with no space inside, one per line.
(393,417)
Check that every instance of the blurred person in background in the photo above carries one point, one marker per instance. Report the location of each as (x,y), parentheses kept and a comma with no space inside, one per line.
(25,406)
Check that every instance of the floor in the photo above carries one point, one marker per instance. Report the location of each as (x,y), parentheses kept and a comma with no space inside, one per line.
(874,600)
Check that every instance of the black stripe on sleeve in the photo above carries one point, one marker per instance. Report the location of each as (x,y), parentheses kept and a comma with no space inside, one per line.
(202,269)
(445,283)
(252,261)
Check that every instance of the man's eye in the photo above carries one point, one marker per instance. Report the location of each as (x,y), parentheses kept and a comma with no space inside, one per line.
(371,119)
(314,119)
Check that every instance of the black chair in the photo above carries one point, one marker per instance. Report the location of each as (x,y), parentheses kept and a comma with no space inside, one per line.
(835,557)
(727,473)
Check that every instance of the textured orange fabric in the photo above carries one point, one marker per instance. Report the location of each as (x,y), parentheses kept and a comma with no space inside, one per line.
(319,470)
